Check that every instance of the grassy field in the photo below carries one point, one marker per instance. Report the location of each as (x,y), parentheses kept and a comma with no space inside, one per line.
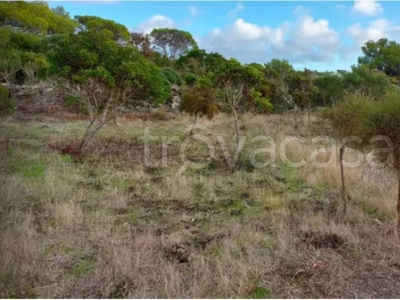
(110,226)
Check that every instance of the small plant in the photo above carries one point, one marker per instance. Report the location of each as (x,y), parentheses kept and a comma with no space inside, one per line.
(7,106)
(190,79)
(72,100)
(260,293)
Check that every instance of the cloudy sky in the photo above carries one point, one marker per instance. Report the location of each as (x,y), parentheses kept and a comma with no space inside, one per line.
(320,35)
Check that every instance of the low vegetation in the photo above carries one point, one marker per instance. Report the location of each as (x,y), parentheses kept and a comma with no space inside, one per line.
(253,189)
(110,226)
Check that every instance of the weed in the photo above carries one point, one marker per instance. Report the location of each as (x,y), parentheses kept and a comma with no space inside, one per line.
(260,293)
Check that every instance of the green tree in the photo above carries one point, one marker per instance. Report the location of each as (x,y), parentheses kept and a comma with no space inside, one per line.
(279,73)
(302,90)
(382,55)
(234,88)
(22,54)
(34,17)
(106,73)
(142,43)
(172,42)
(330,88)
(200,100)
(366,118)
(92,23)
(364,80)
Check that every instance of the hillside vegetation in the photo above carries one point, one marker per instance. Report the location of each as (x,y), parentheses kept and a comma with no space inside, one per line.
(265,181)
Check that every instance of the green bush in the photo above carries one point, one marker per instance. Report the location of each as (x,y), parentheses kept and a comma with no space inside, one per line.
(7,106)
(172,76)
(190,79)
(72,101)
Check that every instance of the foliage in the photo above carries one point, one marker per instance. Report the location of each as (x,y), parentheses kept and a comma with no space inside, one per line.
(7,106)
(92,24)
(364,116)
(200,99)
(330,88)
(190,79)
(279,73)
(172,76)
(172,42)
(382,55)
(22,56)
(142,43)
(302,88)
(34,17)
(81,54)
(363,80)
(262,104)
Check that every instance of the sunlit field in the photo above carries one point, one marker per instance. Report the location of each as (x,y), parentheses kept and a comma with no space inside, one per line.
(111,225)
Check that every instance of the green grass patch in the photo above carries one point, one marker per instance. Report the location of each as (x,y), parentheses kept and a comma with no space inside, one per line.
(83,266)
(29,169)
(260,293)
(290,178)
(373,212)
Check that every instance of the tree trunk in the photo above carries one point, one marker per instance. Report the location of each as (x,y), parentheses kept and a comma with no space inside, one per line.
(194,122)
(90,131)
(235,117)
(398,198)
(343,191)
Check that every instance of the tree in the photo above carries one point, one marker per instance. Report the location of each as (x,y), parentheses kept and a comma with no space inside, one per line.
(382,55)
(234,86)
(35,17)
(302,90)
(172,42)
(22,56)
(118,31)
(200,100)
(142,42)
(192,62)
(330,88)
(363,80)
(278,73)
(105,73)
(366,117)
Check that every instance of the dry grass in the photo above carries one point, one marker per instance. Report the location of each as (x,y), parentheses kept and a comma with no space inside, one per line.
(110,227)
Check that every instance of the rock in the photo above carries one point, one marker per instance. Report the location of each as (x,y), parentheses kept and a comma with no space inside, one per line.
(176,97)
(175,102)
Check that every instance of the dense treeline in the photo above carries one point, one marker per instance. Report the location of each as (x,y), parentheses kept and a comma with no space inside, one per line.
(38,42)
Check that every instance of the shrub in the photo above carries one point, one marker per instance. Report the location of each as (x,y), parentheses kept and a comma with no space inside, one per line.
(190,79)
(172,76)
(7,105)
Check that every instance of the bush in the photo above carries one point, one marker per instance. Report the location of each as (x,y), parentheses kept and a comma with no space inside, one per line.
(7,106)
(199,100)
(190,79)
(172,76)
(72,100)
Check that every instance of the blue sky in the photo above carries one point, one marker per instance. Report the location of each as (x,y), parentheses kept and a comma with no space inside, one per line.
(317,35)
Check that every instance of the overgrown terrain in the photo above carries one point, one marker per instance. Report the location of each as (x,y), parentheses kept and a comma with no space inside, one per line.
(111,227)
(141,166)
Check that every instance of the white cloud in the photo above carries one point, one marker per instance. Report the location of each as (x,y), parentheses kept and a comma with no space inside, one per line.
(380,28)
(156,21)
(359,35)
(305,40)
(367,7)
(234,12)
